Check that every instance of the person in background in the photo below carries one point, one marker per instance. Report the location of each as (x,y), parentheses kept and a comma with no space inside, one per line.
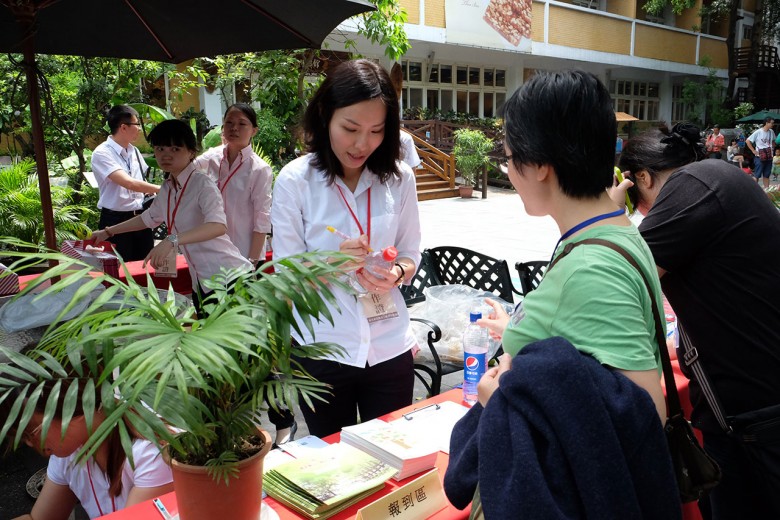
(537,424)
(760,144)
(244,180)
(713,234)
(776,164)
(734,155)
(191,206)
(351,180)
(119,170)
(715,142)
(103,483)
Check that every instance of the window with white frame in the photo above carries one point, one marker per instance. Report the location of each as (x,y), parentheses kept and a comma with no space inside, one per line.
(638,98)
(679,106)
(474,90)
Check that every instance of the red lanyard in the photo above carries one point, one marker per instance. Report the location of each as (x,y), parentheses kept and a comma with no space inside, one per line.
(354,217)
(172,218)
(94,495)
(224,185)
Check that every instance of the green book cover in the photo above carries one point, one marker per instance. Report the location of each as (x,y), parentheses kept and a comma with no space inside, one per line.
(327,478)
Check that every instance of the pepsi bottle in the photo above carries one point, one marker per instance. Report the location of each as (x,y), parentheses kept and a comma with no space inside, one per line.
(475,349)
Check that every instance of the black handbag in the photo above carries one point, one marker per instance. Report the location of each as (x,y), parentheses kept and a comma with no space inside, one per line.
(695,470)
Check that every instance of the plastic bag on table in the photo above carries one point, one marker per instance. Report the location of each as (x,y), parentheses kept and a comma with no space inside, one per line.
(449,306)
(33,310)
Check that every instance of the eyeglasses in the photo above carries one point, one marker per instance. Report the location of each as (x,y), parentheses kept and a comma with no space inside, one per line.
(503,161)
(29,436)
(135,124)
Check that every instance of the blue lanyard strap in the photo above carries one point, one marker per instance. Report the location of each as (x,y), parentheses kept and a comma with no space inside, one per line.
(584,224)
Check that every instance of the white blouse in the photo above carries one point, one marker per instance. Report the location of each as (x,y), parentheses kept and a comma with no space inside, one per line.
(304,205)
(199,201)
(246,191)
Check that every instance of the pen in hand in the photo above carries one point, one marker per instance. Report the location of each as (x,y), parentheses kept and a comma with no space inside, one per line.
(343,235)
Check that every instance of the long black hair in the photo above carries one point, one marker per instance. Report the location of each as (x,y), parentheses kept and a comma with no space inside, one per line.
(347,84)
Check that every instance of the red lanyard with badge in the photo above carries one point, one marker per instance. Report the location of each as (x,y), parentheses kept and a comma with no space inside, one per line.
(377,307)
(230,176)
(94,495)
(168,268)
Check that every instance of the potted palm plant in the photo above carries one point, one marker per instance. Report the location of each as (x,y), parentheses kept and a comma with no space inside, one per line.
(471,156)
(159,369)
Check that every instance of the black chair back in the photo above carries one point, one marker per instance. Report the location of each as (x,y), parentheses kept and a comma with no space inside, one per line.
(456,265)
(531,274)
(424,277)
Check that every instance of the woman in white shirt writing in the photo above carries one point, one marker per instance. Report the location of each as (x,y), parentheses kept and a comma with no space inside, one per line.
(352,180)
(191,206)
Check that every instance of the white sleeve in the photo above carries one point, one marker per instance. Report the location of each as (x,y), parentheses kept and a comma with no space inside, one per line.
(57,470)
(287,216)
(104,164)
(150,468)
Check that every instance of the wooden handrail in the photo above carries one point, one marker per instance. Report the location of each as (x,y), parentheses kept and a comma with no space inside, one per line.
(434,160)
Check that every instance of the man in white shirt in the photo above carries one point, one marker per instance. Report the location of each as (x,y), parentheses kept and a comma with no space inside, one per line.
(119,170)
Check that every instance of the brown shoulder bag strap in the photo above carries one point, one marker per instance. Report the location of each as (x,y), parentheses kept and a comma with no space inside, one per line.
(672,399)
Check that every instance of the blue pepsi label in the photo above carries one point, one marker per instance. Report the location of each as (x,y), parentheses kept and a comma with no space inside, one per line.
(474,367)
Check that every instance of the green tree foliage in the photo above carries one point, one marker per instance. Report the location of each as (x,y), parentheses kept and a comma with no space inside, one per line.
(282,82)
(705,98)
(20,207)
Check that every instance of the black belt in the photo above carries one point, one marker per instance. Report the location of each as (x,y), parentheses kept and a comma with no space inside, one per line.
(131,213)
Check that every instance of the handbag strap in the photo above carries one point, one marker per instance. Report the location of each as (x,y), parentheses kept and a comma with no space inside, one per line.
(672,399)
(691,360)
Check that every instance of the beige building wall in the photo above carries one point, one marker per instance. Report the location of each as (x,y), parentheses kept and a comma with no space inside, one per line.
(588,31)
(537,22)
(412,8)
(622,7)
(189,99)
(689,18)
(716,50)
(661,44)
(434,13)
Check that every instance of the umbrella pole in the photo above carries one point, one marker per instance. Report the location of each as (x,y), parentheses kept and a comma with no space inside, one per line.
(39,145)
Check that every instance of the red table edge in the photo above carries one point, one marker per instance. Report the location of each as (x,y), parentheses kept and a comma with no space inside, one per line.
(147,511)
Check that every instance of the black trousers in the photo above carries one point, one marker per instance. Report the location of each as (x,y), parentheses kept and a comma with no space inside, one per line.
(372,391)
(130,246)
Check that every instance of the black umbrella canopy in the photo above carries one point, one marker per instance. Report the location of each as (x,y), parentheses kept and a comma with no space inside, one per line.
(171,30)
(158,30)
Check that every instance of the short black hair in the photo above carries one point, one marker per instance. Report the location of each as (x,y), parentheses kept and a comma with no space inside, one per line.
(347,84)
(564,119)
(768,119)
(247,110)
(173,132)
(119,115)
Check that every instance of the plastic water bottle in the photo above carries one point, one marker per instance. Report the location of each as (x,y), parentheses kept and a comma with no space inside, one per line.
(475,349)
(384,259)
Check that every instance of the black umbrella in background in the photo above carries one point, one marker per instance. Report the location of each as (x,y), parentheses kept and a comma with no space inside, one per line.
(160,30)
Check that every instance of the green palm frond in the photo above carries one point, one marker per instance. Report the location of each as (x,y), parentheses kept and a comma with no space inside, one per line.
(209,377)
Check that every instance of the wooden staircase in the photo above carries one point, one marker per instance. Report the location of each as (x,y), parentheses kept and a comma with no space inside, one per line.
(436,174)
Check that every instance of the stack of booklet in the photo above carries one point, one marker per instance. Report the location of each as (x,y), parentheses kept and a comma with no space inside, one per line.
(326,481)
(394,444)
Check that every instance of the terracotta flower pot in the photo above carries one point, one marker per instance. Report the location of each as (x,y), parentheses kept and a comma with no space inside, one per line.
(200,497)
(465,191)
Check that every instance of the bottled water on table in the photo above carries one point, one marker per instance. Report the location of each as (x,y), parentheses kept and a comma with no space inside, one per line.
(475,349)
